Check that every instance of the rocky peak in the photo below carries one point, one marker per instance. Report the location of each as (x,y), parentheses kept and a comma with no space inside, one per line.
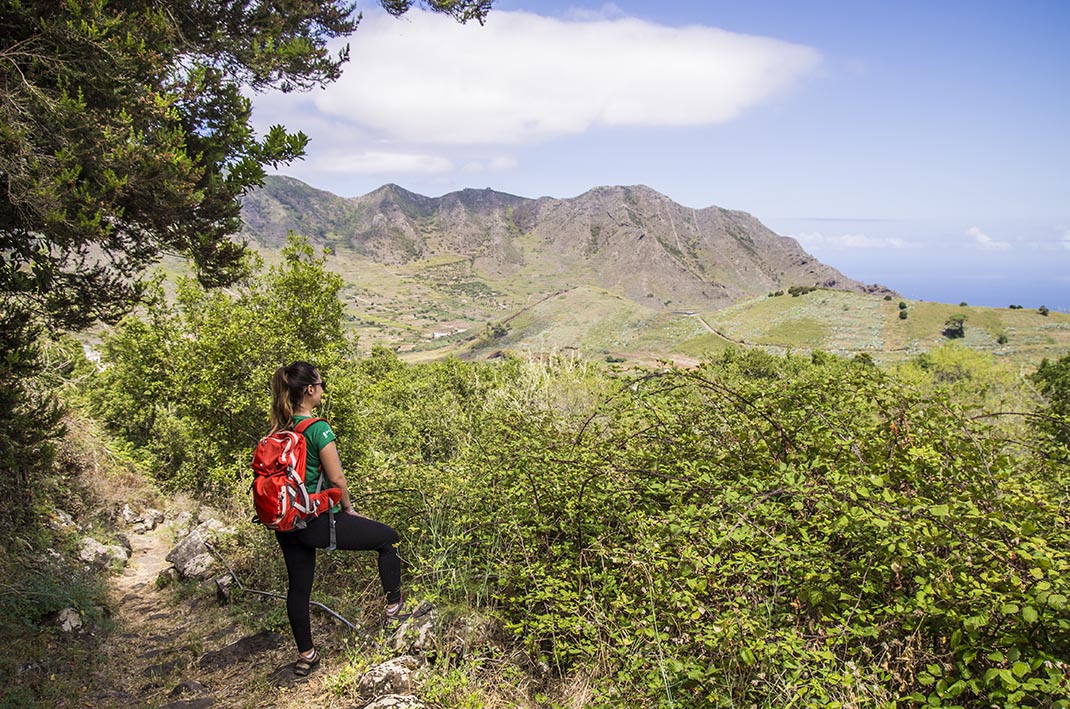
(631,240)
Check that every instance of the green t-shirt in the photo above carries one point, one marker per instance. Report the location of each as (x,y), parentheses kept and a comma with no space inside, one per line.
(318,435)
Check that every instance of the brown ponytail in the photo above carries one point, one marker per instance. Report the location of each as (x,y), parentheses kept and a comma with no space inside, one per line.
(288,385)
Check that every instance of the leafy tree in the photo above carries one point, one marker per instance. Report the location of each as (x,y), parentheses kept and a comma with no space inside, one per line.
(902,314)
(124,135)
(955,326)
(1053,380)
(1043,310)
(187,383)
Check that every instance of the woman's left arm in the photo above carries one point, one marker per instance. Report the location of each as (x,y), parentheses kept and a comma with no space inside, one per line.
(332,468)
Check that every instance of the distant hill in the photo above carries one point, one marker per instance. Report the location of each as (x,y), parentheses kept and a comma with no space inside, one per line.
(621,273)
(628,240)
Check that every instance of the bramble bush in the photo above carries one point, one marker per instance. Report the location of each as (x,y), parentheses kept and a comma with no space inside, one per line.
(762,530)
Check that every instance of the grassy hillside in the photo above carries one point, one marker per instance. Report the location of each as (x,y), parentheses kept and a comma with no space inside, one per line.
(850,323)
(442,306)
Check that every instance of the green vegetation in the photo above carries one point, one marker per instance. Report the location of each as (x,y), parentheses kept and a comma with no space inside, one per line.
(759,530)
(169,366)
(955,326)
(812,524)
(1053,379)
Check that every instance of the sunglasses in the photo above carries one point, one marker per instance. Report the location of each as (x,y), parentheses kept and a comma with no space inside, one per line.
(320,383)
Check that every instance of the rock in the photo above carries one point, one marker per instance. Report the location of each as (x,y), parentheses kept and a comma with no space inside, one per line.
(191,557)
(181,523)
(222,588)
(469,634)
(69,620)
(390,677)
(152,518)
(61,520)
(35,666)
(93,551)
(124,542)
(167,577)
(127,514)
(190,686)
(201,703)
(416,633)
(395,701)
(117,553)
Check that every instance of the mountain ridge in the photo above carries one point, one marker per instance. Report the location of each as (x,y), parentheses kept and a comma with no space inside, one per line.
(628,239)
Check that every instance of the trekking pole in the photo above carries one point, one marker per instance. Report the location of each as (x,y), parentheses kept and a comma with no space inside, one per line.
(275,595)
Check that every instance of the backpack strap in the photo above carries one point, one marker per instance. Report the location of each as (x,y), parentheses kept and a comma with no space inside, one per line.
(301,428)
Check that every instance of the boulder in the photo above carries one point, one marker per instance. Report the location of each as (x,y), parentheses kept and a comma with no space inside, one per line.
(471,633)
(117,553)
(69,620)
(152,518)
(127,514)
(167,577)
(395,701)
(61,520)
(190,686)
(181,523)
(390,677)
(191,557)
(222,588)
(200,703)
(124,542)
(92,551)
(417,632)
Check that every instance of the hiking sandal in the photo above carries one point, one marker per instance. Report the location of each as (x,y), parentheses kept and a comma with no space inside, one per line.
(394,613)
(305,665)
(393,610)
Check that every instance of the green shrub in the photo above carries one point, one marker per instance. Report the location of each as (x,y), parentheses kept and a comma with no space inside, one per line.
(187,383)
(756,531)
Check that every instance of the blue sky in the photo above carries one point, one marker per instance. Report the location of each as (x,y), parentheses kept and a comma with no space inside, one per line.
(924,146)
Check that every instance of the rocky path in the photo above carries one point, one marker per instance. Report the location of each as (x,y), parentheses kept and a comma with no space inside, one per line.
(174,648)
(167,651)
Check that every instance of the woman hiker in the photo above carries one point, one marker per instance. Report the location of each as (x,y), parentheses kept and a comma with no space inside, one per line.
(295,391)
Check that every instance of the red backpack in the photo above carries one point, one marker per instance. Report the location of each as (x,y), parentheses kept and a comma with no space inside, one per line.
(282,502)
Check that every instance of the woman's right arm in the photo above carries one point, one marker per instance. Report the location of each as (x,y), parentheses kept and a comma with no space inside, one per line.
(332,468)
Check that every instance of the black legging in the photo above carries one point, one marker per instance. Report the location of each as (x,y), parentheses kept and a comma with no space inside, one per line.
(351,533)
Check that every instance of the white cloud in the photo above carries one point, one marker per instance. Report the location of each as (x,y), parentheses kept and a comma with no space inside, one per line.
(498,163)
(372,162)
(850,241)
(1066,240)
(986,242)
(522,77)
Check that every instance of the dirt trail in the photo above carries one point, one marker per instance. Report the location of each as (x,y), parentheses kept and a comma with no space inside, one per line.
(169,651)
